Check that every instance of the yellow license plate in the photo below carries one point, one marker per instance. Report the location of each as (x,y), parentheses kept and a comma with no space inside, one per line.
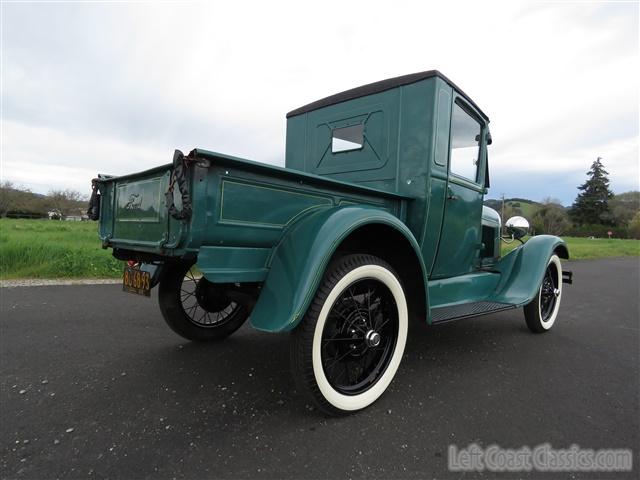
(136,281)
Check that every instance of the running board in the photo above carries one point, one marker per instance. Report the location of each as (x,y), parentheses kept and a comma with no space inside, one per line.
(466,310)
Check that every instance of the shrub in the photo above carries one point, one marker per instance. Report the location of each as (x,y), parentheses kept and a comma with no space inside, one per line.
(598,231)
(634,226)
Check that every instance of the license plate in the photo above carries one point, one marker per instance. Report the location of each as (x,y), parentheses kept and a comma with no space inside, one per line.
(136,281)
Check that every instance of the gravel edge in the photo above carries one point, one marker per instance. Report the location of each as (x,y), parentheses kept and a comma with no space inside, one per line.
(57,281)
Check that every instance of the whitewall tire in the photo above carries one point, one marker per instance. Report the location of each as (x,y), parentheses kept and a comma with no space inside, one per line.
(347,349)
(541,313)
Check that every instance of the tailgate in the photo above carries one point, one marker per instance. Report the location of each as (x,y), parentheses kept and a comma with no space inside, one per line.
(133,213)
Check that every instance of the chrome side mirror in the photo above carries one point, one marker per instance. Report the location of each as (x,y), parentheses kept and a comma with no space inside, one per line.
(517,227)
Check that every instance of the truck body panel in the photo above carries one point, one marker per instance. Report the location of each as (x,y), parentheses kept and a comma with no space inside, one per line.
(299,261)
(405,150)
(133,213)
(236,203)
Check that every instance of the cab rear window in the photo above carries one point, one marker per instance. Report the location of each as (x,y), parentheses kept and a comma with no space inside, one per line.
(347,138)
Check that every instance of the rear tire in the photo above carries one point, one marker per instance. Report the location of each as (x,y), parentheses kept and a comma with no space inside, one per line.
(195,308)
(347,349)
(541,313)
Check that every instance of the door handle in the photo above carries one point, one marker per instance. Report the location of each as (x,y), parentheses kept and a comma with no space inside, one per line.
(450,195)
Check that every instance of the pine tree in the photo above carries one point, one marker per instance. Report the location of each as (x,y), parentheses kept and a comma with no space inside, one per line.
(592,203)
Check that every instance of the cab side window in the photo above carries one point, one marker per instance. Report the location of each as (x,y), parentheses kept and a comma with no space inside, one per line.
(465,144)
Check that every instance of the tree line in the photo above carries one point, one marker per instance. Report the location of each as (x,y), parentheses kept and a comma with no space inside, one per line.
(20,202)
(595,212)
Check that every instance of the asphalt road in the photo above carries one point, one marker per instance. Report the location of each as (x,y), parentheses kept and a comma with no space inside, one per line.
(93,384)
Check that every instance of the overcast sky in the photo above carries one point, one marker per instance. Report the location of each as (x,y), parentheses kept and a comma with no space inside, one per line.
(116,87)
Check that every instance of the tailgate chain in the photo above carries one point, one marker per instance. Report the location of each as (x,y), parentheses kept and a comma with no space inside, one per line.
(179,175)
(93,212)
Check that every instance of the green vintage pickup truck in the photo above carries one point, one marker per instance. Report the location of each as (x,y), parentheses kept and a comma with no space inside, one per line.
(377,220)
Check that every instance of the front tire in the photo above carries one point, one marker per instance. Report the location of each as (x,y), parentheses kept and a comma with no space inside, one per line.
(541,313)
(195,308)
(347,349)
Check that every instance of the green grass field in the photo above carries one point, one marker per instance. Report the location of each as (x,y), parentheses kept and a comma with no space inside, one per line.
(585,248)
(55,249)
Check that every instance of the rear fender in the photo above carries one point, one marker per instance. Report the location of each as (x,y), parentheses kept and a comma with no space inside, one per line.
(300,259)
(522,269)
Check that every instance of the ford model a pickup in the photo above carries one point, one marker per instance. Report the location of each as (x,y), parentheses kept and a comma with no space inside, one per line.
(377,219)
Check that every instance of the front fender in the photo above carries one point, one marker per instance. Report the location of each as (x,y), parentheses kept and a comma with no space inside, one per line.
(522,269)
(301,257)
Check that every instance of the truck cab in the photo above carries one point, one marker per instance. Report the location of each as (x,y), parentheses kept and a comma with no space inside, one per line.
(417,135)
(376,219)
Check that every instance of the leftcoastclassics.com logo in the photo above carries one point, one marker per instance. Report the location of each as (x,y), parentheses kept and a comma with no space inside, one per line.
(542,458)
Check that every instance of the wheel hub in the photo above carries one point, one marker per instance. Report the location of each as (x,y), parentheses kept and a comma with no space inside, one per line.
(209,297)
(372,338)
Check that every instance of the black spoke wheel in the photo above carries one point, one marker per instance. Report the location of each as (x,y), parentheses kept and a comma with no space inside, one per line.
(541,313)
(203,303)
(194,307)
(548,292)
(347,349)
(359,336)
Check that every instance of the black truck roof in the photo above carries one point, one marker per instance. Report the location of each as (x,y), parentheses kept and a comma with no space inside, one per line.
(377,87)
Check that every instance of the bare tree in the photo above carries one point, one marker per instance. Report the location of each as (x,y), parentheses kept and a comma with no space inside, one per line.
(551,218)
(7,197)
(18,200)
(66,201)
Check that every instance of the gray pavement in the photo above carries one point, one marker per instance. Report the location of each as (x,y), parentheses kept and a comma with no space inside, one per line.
(94,385)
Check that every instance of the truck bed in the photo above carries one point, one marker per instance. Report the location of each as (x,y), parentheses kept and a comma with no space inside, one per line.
(235,203)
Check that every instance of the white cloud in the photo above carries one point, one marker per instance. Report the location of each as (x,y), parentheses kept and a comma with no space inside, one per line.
(96,83)
(44,159)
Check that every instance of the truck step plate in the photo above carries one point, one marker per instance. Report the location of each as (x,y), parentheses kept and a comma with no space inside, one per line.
(445,314)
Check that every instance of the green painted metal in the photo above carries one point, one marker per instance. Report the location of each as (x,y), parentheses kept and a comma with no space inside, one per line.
(300,259)
(514,279)
(461,238)
(254,222)
(434,201)
(233,264)
(398,150)
(134,215)
(469,288)
(236,203)
(523,268)
(253,204)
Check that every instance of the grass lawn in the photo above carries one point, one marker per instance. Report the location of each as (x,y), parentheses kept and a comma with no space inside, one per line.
(53,249)
(584,248)
(58,249)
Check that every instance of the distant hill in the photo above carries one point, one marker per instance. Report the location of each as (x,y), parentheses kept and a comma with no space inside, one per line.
(514,206)
(22,203)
